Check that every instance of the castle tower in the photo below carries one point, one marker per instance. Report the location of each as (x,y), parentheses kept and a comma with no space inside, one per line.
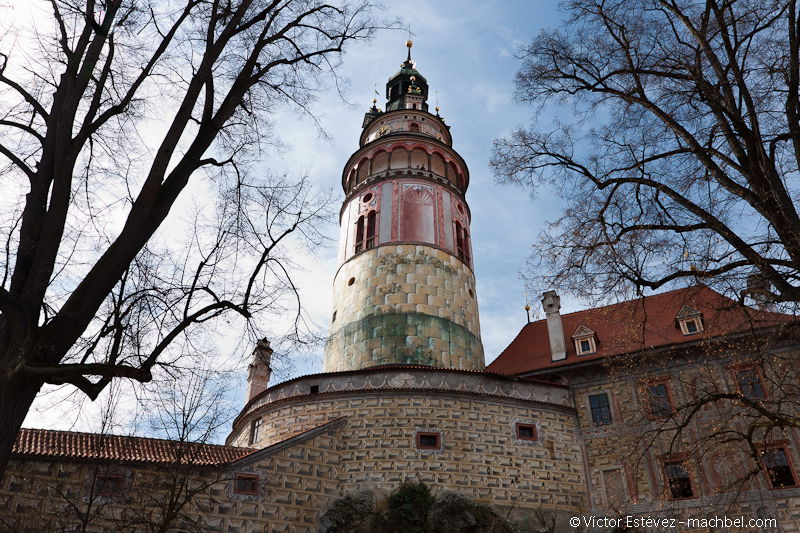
(404,292)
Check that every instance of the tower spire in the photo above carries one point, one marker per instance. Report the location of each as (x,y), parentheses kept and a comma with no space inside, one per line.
(407,89)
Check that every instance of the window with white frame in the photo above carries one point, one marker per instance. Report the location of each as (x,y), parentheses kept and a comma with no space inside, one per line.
(690,320)
(585,341)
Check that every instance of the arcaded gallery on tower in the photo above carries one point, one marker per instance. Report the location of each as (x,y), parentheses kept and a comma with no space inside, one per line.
(405,395)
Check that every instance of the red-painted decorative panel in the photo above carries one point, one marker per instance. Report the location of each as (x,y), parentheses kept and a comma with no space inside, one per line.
(417,214)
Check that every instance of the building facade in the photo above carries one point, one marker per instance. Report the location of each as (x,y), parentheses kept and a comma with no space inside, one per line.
(550,430)
(682,401)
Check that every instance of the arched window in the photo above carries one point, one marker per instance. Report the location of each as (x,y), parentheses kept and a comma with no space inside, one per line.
(363,170)
(370,240)
(380,163)
(452,174)
(360,234)
(414,126)
(466,246)
(399,158)
(462,242)
(437,165)
(365,231)
(419,160)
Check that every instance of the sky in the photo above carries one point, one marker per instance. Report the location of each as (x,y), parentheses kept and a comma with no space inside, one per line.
(467,52)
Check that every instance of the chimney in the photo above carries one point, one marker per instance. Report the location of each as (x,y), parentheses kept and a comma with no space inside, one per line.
(552,305)
(760,290)
(259,369)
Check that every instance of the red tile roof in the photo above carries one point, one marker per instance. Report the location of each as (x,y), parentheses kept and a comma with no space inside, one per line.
(98,446)
(627,327)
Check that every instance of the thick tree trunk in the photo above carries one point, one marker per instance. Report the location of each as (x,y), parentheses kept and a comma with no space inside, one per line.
(15,401)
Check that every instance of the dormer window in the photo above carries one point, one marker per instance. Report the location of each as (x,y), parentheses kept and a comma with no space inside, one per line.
(690,320)
(585,341)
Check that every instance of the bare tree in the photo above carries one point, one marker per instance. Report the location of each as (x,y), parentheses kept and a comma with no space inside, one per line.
(677,154)
(682,159)
(114,108)
(176,492)
(190,410)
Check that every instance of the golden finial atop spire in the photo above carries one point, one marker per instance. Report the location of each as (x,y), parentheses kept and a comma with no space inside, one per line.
(409,43)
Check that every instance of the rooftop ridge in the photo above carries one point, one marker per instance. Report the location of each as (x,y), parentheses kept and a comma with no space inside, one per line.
(693,288)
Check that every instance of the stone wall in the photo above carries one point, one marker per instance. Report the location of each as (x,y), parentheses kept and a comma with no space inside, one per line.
(300,473)
(296,480)
(404,303)
(481,456)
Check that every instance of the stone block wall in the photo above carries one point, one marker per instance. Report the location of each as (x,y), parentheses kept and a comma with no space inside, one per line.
(43,495)
(481,456)
(404,303)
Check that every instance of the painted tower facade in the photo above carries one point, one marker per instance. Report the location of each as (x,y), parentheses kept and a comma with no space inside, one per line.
(404,291)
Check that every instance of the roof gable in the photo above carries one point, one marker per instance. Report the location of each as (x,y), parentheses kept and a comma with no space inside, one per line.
(687,311)
(582,331)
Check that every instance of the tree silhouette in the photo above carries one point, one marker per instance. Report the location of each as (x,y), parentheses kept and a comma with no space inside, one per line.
(108,113)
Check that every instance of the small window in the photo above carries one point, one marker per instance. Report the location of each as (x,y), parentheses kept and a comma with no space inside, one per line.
(690,326)
(779,468)
(245,484)
(526,432)
(255,431)
(429,441)
(371,221)
(585,340)
(749,383)
(108,484)
(690,320)
(679,482)
(360,234)
(585,346)
(314,389)
(462,242)
(333,319)
(659,401)
(365,231)
(414,126)
(601,411)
